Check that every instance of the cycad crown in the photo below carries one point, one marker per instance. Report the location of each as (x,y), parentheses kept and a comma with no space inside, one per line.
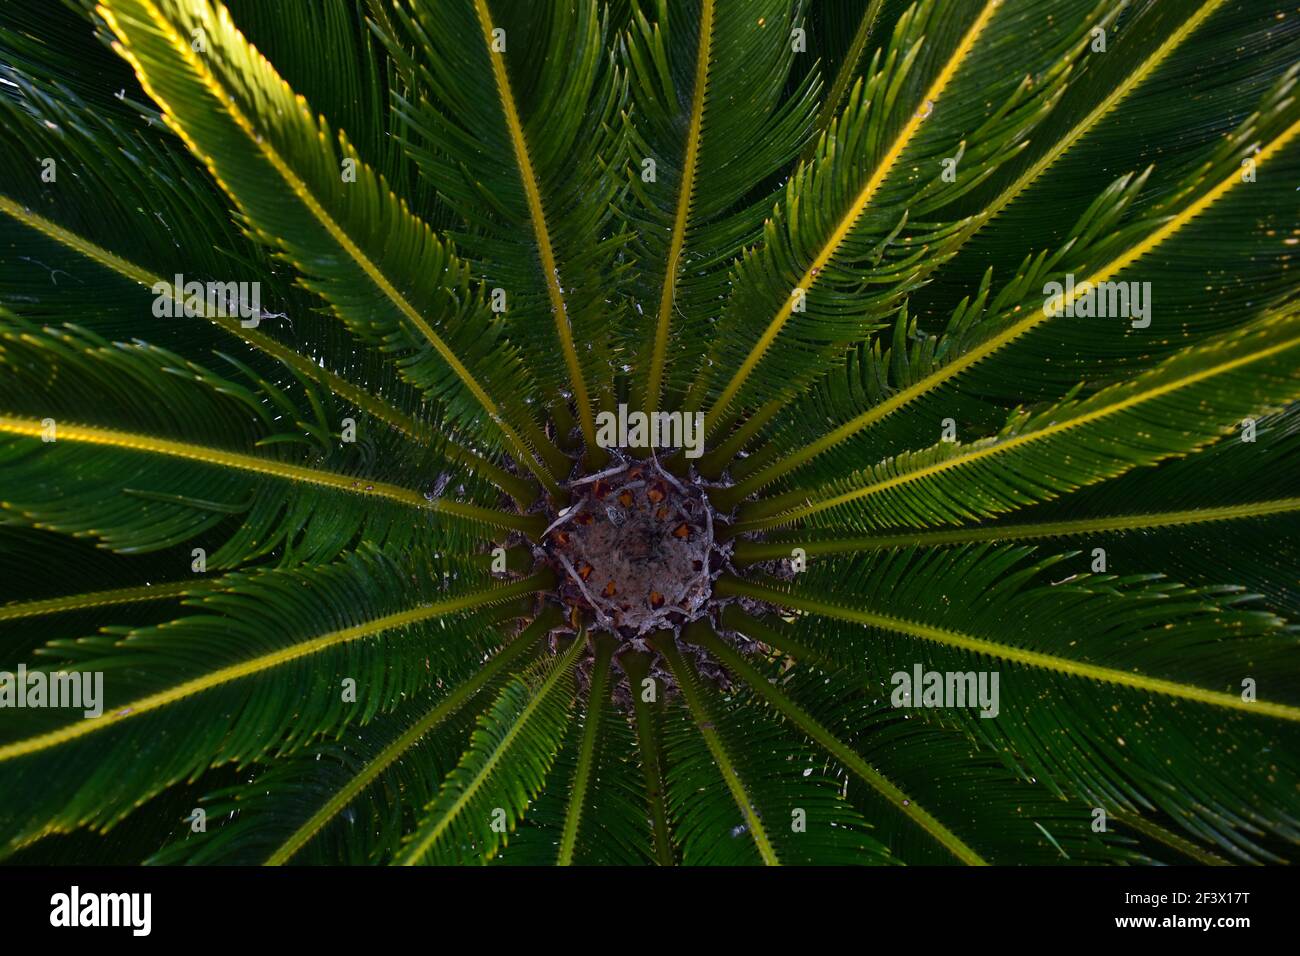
(950,348)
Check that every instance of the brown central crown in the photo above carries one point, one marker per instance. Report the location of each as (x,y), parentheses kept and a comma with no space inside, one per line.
(635,550)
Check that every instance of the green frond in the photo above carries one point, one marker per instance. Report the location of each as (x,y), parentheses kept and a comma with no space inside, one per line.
(830,269)
(1126,662)
(693,209)
(314,628)
(132,475)
(771,693)
(600,816)
(345,234)
(648,720)
(508,761)
(741,789)
(973,363)
(533,183)
(129,202)
(1177,407)
(334,561)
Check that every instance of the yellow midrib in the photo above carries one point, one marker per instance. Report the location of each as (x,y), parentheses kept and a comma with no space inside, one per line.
(596,695)
(537,214)
(1060,665)
(1034,318)
(363,778)
(1037,659)
(844,753)
(785,465)
(107,598)
(1169,839)
(1108,102)
(133,441)
(685,195)
(747,552)
(417,849)
(262,663)
(739,794)
(844,76)
(130,270)
(703,723)
(384,412)
(303,194)
(858,206)
(204,454)
(88,249)
(1038,434)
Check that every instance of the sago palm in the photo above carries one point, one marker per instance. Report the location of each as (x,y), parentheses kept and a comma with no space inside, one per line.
(352,355)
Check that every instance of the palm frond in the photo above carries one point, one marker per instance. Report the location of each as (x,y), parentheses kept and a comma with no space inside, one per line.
(355,569)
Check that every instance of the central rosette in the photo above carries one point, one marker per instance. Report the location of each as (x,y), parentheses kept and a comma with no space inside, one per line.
(634,550)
